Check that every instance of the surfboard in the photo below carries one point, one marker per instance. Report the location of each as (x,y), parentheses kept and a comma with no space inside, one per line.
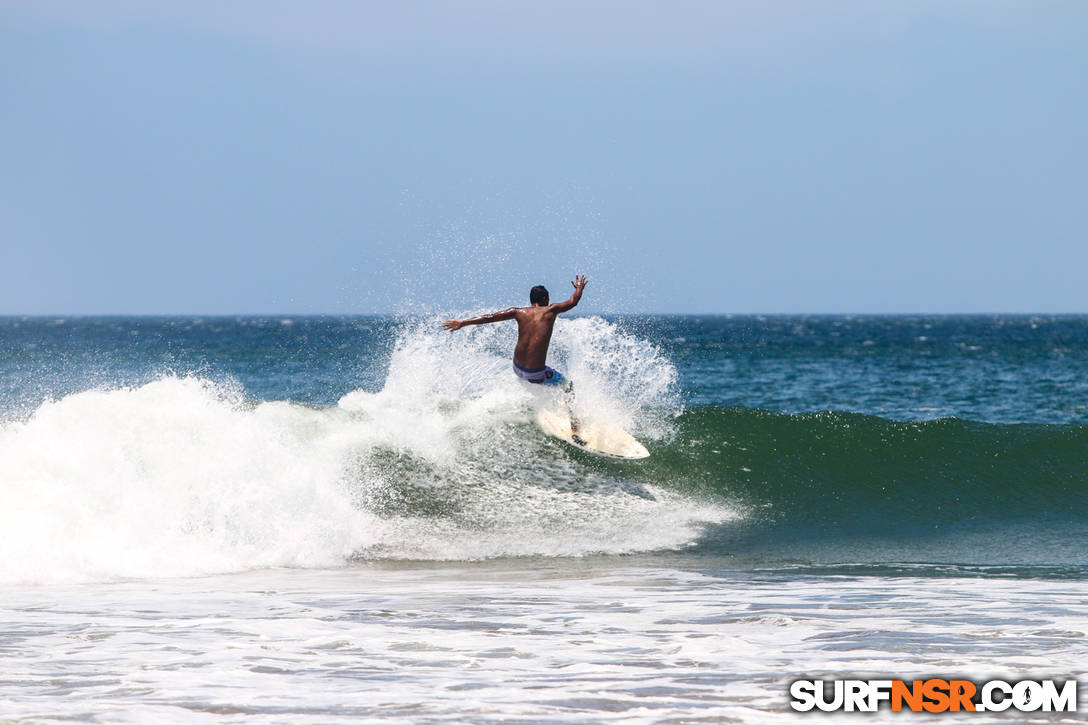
(594,436)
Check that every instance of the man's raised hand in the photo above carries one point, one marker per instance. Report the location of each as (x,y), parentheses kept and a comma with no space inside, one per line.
(452,325)
(579,281)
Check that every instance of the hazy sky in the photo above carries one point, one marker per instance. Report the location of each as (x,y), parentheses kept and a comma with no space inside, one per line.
(717,156)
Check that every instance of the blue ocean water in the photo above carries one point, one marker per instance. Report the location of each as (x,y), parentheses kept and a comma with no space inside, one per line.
(835,441)
(335,519)
(997,368)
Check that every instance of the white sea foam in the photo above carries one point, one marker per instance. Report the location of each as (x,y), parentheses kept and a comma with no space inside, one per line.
(172,478)
(604,641)
(184,477)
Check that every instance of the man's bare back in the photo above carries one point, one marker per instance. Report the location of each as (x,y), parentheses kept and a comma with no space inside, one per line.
(535,324)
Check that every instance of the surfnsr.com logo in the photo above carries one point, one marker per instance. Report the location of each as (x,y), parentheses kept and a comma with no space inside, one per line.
(934,695)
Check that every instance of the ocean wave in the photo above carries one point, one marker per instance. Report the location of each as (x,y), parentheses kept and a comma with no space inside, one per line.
(182,476)
(847,469)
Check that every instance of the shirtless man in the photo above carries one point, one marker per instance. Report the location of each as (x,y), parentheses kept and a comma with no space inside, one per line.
(535,325)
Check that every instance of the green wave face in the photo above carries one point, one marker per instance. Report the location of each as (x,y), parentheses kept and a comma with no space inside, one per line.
(845,488)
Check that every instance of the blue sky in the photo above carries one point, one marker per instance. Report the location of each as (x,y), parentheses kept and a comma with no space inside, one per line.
(355,157)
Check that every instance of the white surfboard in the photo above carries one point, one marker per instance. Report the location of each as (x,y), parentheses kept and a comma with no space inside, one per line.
(595,436)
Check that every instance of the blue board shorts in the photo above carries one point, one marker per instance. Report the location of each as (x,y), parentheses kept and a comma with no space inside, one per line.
(540,376)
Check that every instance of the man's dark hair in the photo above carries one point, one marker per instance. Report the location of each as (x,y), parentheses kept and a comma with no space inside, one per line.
(538,294)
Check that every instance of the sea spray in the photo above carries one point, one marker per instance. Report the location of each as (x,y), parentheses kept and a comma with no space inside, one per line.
(458,447)
(182,476)
(176,477)
(616,375)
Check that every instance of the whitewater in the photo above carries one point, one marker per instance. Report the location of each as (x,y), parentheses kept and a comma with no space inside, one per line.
(342,519)
(182,476)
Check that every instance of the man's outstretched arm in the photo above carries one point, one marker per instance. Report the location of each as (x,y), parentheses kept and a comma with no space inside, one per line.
(507,314)
(579,283)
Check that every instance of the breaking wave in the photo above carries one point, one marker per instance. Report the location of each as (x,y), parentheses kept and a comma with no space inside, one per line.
(183,476)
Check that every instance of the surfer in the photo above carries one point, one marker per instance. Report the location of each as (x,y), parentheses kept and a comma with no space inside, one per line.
(535,325)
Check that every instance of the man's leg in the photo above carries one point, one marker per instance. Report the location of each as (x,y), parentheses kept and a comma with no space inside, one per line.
(557,379)
(568,395)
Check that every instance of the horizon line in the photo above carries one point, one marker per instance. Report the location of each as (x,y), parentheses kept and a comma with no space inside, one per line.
(31,315)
